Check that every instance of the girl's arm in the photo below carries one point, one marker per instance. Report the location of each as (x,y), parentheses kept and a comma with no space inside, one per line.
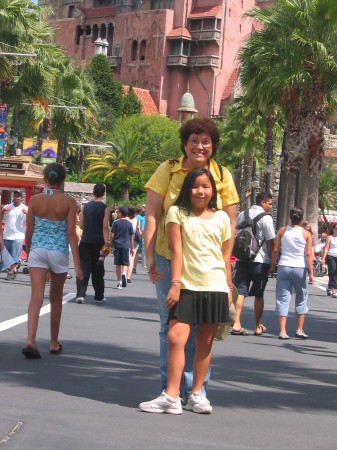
(226,254)
(72,237)
(308,254)
(173,231)
(326,249)
(29,225)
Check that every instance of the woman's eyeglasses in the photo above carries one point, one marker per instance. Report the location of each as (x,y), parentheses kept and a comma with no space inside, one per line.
(204,144)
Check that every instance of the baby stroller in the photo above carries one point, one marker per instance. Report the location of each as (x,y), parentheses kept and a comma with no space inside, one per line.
(23,260)
(319,269)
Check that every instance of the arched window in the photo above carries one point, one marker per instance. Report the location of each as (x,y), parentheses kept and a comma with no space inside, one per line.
(102,33)
(94,33)
(88,30)
(79,33)
(134,48)
(110,37)
(142,50)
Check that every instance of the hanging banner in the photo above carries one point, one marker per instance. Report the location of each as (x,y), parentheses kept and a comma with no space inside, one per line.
(28,146)
(3,117)
(49,151)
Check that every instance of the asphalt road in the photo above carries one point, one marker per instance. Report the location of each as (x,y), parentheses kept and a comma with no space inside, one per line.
(265,393)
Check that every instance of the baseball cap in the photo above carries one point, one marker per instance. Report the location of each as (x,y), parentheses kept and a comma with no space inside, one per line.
(18,193)
(124,210)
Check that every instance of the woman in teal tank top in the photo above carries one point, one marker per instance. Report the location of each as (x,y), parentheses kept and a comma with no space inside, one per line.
(51,228)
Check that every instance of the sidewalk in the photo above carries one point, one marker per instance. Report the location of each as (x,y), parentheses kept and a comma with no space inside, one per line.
(266,393)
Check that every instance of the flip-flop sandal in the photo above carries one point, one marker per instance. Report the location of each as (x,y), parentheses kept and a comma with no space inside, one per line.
(241,332)
(256,333)
(263,328)
(31,353)
(58,351)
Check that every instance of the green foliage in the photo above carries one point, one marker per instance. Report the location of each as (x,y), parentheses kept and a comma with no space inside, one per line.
(108,90)
(158,135)
(131,104)
(327,198)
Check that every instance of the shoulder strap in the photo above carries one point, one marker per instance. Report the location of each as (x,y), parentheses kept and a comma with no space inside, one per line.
(220,171)
(259,216)
(172,163)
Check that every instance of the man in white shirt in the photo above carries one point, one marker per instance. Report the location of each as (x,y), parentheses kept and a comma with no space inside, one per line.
(251,277)
(14,217)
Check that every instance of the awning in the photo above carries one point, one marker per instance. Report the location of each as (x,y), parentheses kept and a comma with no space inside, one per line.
(330,218)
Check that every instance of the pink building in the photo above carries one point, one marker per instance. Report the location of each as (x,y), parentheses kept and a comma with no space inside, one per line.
(163,46)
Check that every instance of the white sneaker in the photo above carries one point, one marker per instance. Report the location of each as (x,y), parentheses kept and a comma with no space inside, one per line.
(198,403)
(80,300)
(162,404)
(119,286)
(123,280)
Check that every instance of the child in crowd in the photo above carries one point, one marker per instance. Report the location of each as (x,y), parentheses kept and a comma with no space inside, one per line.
(198,236)
(122,240)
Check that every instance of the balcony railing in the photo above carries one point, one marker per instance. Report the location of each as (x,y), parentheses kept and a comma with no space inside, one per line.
(115,61)
(177,60)
(203,61)
(192,61)
(206,35)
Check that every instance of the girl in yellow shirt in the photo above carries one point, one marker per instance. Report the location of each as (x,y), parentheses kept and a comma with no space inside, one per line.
(198,235)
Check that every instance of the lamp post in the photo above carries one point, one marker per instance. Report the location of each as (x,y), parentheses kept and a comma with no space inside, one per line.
(254,183)
(65,145)
(281,185)
(269,167)
(37,152)
(12,139)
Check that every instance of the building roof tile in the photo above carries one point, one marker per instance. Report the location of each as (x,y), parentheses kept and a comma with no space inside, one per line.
(230,84)
(179,32)
(144,96)
(205,11)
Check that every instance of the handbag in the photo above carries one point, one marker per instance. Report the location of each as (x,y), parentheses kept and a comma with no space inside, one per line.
(223,328)
(138,236)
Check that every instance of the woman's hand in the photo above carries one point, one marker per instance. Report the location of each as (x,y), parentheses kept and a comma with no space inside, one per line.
(154,275)
(173,296)
(311,278)
(230,297)
(78,272)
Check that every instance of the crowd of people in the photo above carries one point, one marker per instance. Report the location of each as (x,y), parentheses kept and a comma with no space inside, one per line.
(191,223)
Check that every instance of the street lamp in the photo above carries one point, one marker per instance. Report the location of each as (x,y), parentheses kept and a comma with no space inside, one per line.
(269,166)
(254,183)
(281,185)
(37,152)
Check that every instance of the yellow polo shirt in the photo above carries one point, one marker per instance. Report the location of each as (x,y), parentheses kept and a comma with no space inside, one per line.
(167,182)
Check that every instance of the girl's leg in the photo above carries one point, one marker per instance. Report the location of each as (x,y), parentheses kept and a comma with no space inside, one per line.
(38,280)
(283,295)
(130,267)
(176,340)
(203,345)
(57,281)
(300,322)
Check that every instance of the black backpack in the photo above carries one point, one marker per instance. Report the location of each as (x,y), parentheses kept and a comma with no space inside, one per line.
(246,244)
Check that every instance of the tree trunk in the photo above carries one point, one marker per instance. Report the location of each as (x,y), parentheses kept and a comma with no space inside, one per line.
(79,162)
(125,193)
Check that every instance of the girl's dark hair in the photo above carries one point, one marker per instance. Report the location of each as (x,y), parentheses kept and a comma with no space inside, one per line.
(132,211)
(55,173)
(198,126)
(184,198)
(333,226)
(296,215)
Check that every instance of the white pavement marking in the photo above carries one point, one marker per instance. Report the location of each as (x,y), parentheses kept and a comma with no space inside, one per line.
(44,310)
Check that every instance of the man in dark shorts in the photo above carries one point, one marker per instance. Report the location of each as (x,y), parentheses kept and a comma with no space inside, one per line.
(94,221)
(256,271)
(122,238)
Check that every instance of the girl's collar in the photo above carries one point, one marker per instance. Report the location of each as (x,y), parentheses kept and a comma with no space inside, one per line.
(49,191)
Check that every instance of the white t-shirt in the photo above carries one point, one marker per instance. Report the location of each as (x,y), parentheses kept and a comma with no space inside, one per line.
(15,222)
(203,266)
(264,231)
(293,248)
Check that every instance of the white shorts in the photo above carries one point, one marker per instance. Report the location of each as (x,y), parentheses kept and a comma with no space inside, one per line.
(6,261)
(52,260)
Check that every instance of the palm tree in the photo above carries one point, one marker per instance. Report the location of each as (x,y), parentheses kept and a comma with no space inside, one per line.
(295,60)
(125,158)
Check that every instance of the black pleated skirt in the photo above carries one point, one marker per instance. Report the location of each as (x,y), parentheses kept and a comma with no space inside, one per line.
(200,307)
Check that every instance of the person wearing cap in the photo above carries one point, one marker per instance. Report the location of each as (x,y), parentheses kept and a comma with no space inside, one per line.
(14,217)
(122,239)
(94,221)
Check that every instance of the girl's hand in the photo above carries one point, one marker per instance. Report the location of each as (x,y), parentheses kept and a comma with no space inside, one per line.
(311,279)
(79,273)
(173,296)
(154,275)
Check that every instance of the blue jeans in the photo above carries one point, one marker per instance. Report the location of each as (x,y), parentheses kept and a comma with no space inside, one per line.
(162,288)
(288,278)
(14,248)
